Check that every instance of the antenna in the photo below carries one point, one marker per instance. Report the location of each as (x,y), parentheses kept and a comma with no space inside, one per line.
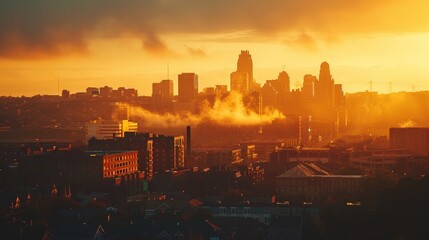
(370,86)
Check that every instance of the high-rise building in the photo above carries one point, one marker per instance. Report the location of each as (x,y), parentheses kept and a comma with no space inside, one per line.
(168,152)
(245,64)
(325,86)
(162,96)
(242,79)
(283,83)
(188,87)
(240,82)
(308,86)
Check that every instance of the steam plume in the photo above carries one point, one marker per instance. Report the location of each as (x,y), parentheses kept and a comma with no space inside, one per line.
(229,111)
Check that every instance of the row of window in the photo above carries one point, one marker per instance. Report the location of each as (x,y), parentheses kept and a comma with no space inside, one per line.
(126,157)
(120,171)
(233,210)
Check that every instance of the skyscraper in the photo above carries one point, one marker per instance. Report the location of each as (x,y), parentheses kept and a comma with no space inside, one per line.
(283,83)
(325,86)
(188,87)
(242,79)
(162,96)
(245,64)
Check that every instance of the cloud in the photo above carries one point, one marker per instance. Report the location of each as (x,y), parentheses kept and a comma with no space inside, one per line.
(303,40)
(196,52)
(52,27)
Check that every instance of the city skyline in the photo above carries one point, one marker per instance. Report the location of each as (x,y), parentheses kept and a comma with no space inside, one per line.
(119,45)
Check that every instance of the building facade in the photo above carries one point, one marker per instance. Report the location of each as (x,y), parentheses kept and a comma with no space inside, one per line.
(108,129)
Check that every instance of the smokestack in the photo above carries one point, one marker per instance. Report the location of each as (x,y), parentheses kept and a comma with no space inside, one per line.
(188,141)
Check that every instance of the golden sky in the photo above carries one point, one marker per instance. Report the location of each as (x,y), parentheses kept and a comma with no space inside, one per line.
(130,42)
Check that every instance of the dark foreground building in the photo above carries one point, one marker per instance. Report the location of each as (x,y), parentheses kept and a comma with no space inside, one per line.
(90,170)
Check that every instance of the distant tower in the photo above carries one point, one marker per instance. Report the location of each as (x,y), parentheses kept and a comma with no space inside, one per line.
(284,83)
(325,86)
(242,79)
(188,87)
(245,64)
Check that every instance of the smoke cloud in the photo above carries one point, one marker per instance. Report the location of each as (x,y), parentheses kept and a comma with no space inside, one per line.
(229,111)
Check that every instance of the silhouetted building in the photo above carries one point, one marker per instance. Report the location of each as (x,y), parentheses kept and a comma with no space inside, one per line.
(91,170)
(162,96)
(242,79)
(270,96)
(188,93)
(245,65)
(92,91)
(188,87)
(413,139)
(65,93)
(105,91)
(168,152)
(224,159)
(221,89)
(122,92)
(240,82)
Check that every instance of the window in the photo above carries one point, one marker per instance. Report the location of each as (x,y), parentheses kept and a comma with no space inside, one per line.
(246,210)
(233,210)
(222,210)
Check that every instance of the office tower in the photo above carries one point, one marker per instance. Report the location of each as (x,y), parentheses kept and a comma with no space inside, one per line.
(308,87)
(240,82)
(245,64)
(283,83)
(325,86)
(269,95)
(188,87)
(242,79)
(162,96)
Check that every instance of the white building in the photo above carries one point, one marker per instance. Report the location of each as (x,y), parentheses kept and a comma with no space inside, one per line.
(106,129)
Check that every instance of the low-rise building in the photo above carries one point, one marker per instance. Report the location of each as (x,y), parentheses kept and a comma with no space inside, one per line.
(94,170)
(308,182)
(108,129)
